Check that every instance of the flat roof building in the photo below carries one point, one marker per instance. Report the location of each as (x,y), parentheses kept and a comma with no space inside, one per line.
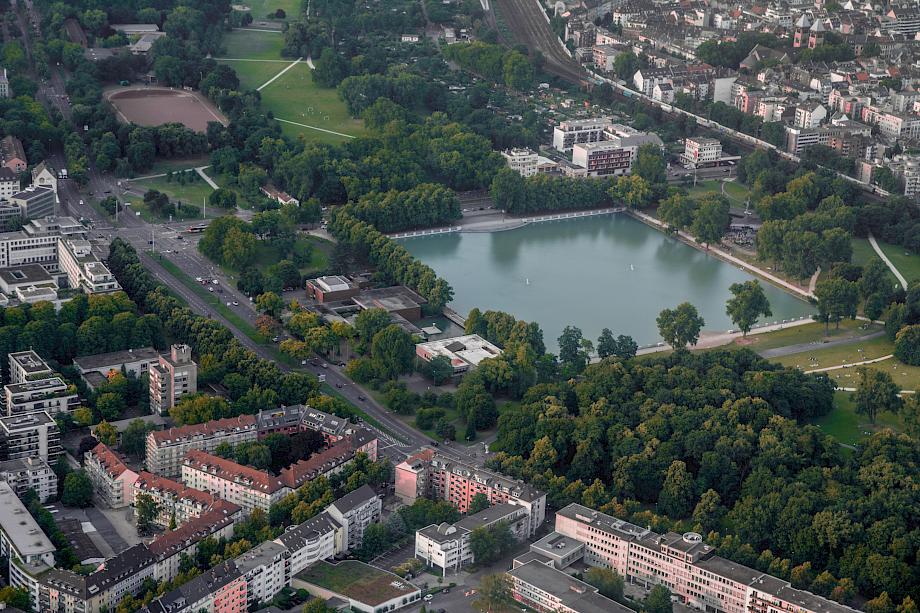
(544,588)
(35,201)
(172,377)
(32,473)
(331,288)
(84,270)
(27,366)
(464,352)
(53,395)
(32,435)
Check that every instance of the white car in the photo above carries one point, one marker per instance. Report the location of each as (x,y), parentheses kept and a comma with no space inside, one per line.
(428,598)
(215,281)
(198,279)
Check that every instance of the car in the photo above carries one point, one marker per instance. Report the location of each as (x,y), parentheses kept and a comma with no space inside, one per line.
(215,281)
(211,289)
(445,590)
(228,304)
(428,598)
(338,385)
(303,362)
(81,203)
(362,398)
(275,339)
(342,364)
(324,365)
(434,443)
(235,303)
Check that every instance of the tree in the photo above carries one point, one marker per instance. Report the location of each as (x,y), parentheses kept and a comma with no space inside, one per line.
(331,68)
(440,369)
(658,600)
(270,303)
(376,541)
(606,344)
(708,510)
(83,416)
(494,593)
(880,604)
(650,164)
(109,406)
(479,502)
(317,605)
(907,345)
(875,392)
(625,347)
(747,304)
(680,326)
(607,581)
(222,198)
(368,323)
(677,211)
(394,351)
(106,433)
(837,298)
(625,65)
(16,597)
(570,349)
(711,220)
(146,510)
(78,490)
(676,497)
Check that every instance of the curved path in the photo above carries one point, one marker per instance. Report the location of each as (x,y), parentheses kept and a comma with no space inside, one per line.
(891,267)
(842,366)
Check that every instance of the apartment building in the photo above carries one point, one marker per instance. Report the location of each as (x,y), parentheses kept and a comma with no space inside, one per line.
(172,377)
(447,546)
(30,474)
(318,538)
(907,169)
(221,589)
(899,126)
(169,548)
(356,511)
(522,161)
(28,366)
(331,460)
(175,501)
(9,184)
(34,435)
(434,475)
(241,485)
(283,420)
(685,564)
(22,541)
(5,91)
(52,395)
(113,481)
(571,132)
(700,150)
(544,588)
(615,153)
(64,591)
(12,155)
(332,427)
(167,448)
(34,202)
(94,369)
(84,270)
(266,569)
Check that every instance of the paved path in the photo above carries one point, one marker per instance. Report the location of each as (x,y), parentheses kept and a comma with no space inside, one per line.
(881,254)
(709,340)
(814,281)
(259,30)
(249,59)
(163,174)
(863,363)
(727,257)
(303,125)
(802,347)
(272,80)
(207,179)
(309,61)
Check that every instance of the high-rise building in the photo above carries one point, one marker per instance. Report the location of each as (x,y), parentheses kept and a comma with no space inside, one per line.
(172,377)
(27,436)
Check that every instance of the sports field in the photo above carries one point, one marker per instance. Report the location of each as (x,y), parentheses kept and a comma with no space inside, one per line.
(155,106)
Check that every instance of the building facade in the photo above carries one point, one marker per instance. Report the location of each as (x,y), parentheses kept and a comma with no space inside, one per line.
(241,485)
(318,538)
(176,503)
(700,150)
(35,435)
(356,511)
(31,473)
(572,132)
(113,481)
(167,448)
(172,377)
(522,161)
(28,366)
(83,269)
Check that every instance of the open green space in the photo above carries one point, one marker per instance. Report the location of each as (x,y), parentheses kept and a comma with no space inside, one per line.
(215,300)
(268,254)
(703,187)
(356,580)
(295,97)
(907,263)
(807,333)
(736,192)
(839,356)
(253,45)
(166,165)
(261,9)
(192,193)
(848,427)
(253,74)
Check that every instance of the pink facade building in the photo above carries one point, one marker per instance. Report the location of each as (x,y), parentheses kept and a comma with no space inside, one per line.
(113,481)
(432,475)
(685,565)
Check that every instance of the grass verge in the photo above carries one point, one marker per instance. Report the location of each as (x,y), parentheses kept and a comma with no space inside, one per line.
(847,426)
(808,333)
(252,44)
(907,263)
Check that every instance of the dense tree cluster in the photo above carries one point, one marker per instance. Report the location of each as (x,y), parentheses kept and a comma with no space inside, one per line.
(518,195)
(494,62)
(422,206)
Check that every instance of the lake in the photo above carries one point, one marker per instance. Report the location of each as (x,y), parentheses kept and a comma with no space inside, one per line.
(593,272)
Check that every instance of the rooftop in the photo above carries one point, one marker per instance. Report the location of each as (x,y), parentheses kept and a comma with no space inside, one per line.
(19,527)
(514,487)
(231,471)
(555,544)
(261,555)
(576,595)
(114,359)
(333,283)
(355,499)
(25,275)
(180,491)
(110,460)
(50,384)
(299,536)
(469,349)
(358,581)
(174,541)
(24,422)
(29,361)
(215,426)
(34,192)
(321,462)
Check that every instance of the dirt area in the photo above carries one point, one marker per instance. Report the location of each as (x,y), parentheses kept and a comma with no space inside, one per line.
(154,106)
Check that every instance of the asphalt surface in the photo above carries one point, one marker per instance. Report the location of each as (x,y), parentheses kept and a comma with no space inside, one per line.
(803,347)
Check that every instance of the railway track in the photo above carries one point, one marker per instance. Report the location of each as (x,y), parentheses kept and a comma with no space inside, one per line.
(528,21)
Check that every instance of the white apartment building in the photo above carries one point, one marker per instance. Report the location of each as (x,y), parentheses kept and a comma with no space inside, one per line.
(447,546)
(175,501)
(699,150)
(9,184)
(267,570)
(810,115)
(241,485)
(356,511)
(907,169)
(84,270)
(51,395)
(113,481)
(615,153)
(4,84)
(30,473)
(167,448)
(319,538)
(28,366)
(544,588)
(172,377)
(895,126)
(522,161)
(571,132)
(22,540)
(34,435)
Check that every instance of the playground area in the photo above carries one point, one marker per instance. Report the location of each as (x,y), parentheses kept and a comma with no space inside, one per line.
(154,106)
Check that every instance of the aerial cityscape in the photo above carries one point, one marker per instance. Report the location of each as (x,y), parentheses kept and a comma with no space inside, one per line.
(473,306)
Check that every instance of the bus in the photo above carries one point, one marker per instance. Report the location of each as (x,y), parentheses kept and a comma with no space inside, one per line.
(197,229)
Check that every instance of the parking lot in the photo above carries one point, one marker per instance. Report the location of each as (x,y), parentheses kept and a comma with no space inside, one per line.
(109,529)
(393,558)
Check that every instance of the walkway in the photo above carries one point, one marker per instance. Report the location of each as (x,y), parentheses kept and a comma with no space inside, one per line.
(207,179)
(249,59)
(863,363)
(803,347)
(881,254)
(163,174)
(814,281)
(303,125)
(727,257)
(718,339)
(272,80)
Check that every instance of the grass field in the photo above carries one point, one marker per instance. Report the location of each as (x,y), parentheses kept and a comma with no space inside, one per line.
(355,580)
(808,333)
(845,425)
(839,355)
(161,166)
(262,8)
(268,255)
(254,45)
(907,263)
(906,377)
(190,194)
(294,97)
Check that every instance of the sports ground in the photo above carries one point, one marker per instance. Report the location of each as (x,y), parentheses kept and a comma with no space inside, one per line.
(287,88)
(154,106)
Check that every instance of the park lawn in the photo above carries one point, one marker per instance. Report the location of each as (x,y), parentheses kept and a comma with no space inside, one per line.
(191,193)
(253,45)
(808,333)
(162,165)
(839,355)
(253,74)
(269,254)
(261,9)
(710,186)
(907,263)
(736,192)
(906,377)
(848,427)
(294,97)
